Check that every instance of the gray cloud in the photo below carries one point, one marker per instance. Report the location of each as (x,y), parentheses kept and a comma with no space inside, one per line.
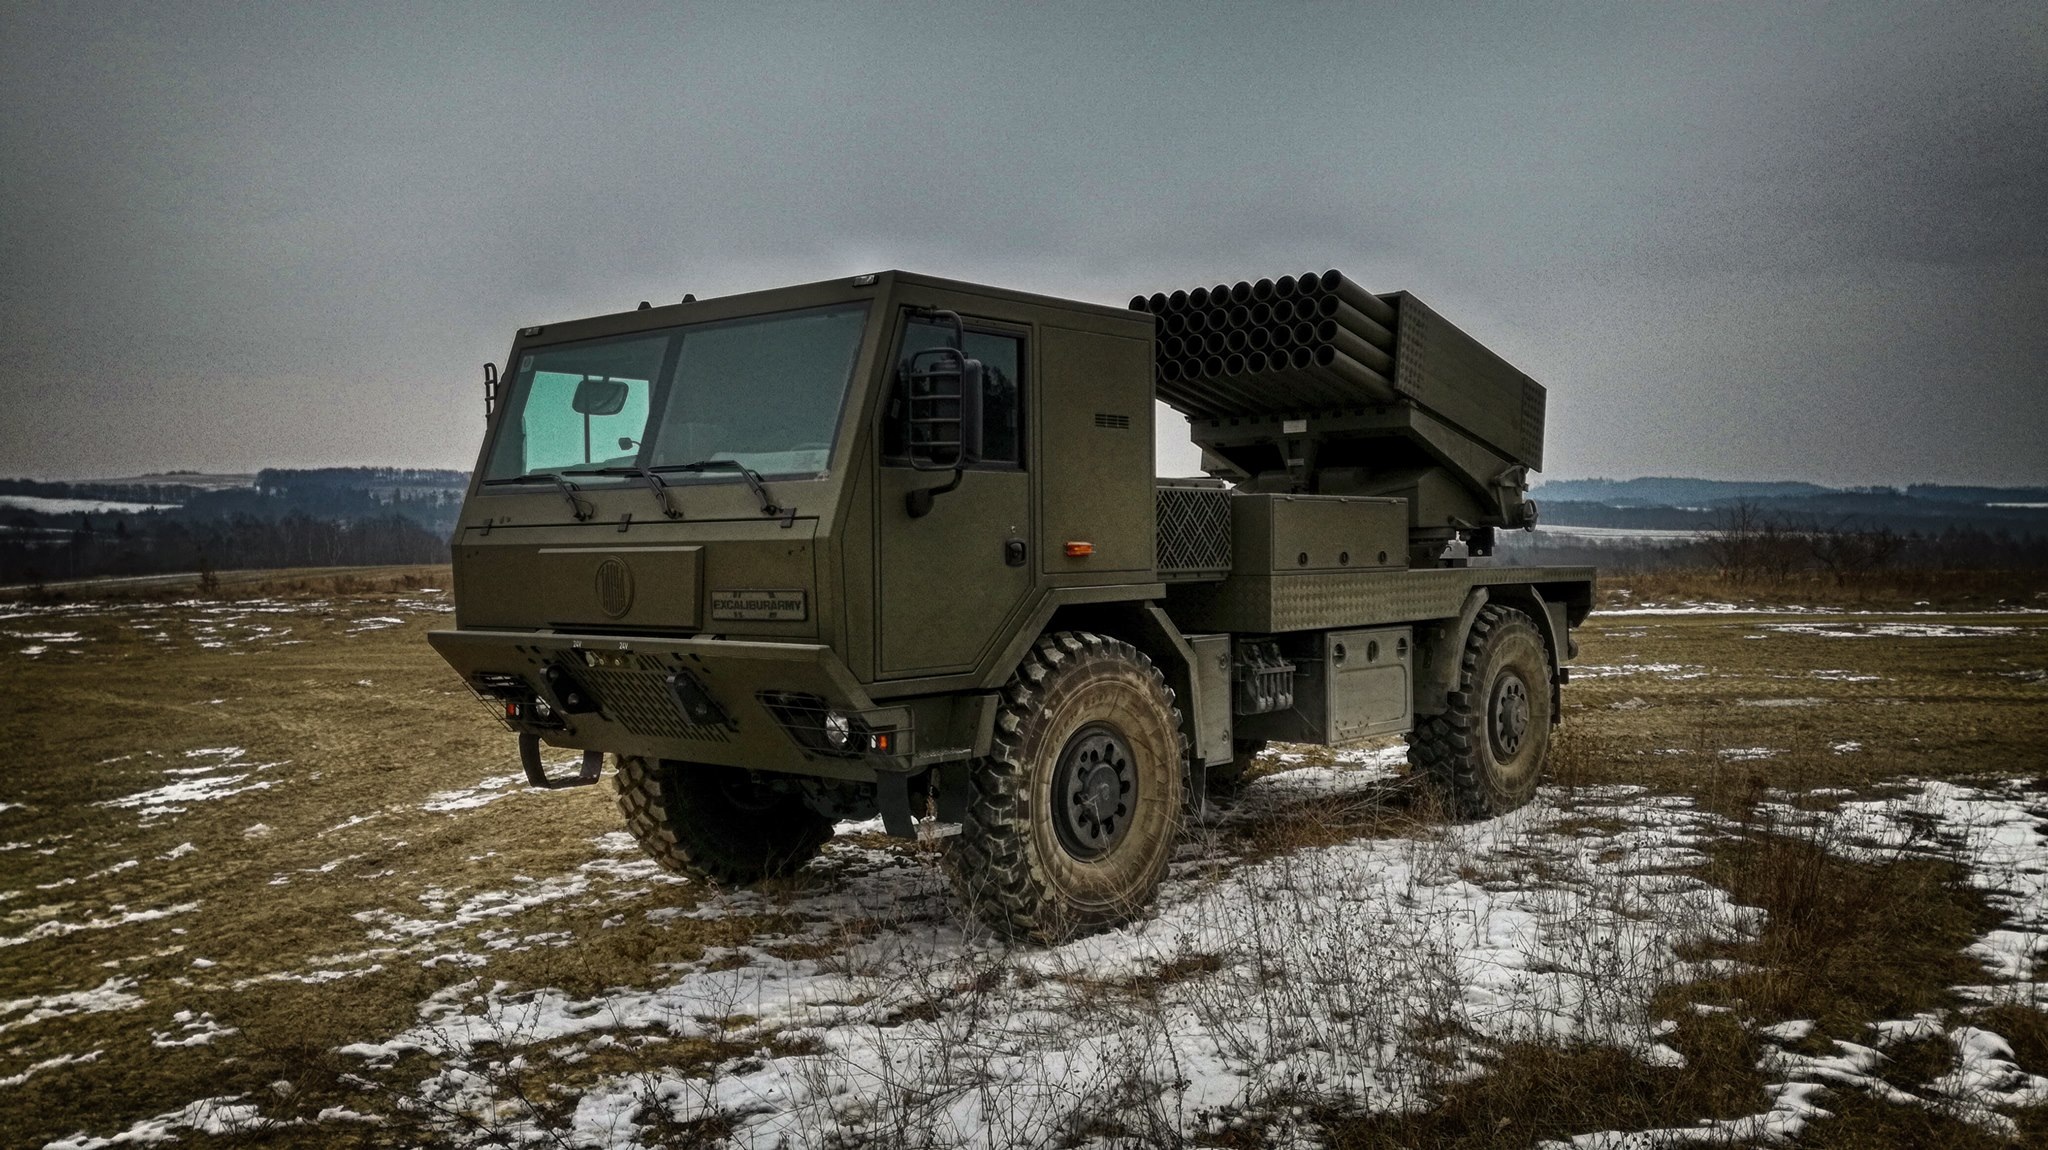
(1733,240)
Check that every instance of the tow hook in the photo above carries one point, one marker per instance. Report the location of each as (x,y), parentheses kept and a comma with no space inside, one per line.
(537,772)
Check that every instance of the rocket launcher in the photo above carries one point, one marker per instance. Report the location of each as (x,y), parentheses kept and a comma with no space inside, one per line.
(1311,384)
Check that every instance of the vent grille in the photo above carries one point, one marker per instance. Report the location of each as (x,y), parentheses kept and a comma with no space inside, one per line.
(641,702)
(1532,423)
(1113,422)
(1194,531)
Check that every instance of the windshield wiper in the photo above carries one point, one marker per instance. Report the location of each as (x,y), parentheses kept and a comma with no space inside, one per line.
(577,503)
(753,478)
(654,481)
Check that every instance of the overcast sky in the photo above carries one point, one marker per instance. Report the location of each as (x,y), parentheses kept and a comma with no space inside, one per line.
(1735,241)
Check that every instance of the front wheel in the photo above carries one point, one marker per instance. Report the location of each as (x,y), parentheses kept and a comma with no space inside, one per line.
(1486,753)
(1076,808)
(715,822)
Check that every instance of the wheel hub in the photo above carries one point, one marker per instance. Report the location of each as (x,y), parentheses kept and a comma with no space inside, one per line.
(1508,715)
(1092,791)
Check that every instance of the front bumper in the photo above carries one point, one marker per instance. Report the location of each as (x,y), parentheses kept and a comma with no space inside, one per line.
(759,705)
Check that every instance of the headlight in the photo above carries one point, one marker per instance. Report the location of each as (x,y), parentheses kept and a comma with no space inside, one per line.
(838,730)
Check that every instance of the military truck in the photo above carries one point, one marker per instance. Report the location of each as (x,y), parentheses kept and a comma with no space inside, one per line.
(892,545)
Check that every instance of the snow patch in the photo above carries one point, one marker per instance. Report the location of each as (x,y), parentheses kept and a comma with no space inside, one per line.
(49,1064)
(192,1030)
(107,996)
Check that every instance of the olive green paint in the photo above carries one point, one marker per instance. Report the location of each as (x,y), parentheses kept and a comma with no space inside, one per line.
(912,621)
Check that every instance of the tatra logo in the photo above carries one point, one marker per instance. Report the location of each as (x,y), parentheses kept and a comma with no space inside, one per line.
(614,587)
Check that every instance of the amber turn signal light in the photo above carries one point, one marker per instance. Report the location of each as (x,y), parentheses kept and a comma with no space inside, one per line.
(1077,550)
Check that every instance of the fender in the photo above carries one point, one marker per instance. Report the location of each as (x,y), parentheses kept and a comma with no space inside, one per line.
(1441,645)
(1529,599)
(1147,627)
(1438,649)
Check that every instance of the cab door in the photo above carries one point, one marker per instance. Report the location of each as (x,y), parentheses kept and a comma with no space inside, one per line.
(949,581)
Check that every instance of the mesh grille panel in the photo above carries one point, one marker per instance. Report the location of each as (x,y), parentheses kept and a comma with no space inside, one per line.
(641,702)
(1194,531)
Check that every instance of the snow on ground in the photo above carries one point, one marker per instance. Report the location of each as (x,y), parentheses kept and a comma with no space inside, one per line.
(1329,973)
(109,995)
(197,784)
(1661,670)
(118,915)
(1716,608)
(227,1115)
(1307,975)
(1890,630)
(468,798)
(1367,973)
(52,506)
(1999,835)
(49,1064)
(1644,534)
(192,1030)
(211,624)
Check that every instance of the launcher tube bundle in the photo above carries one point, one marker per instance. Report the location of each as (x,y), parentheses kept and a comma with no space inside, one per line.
(1311,383)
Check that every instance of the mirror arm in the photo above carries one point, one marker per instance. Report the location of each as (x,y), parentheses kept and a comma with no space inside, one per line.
(918,502)
(940,315)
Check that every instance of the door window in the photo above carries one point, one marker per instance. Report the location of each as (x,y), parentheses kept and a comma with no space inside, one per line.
(1002,363)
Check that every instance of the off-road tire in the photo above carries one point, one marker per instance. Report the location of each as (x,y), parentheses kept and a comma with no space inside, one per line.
(687,818)
(1460,753)
(1011,864)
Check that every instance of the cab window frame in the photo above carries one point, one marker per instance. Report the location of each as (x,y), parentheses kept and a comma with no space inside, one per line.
(971,326)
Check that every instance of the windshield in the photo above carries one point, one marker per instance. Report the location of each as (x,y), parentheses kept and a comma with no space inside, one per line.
(763,392)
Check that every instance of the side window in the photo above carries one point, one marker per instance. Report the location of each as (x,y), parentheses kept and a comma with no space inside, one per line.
(1002,411)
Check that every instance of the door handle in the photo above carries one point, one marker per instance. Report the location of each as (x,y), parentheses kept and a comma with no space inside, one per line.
(1013,553)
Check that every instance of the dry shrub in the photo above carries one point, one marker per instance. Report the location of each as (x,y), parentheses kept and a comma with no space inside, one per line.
(1896,587)
(1533,1092)
(1845,942)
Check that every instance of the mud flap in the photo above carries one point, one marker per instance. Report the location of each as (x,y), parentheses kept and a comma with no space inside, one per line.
(892,797)
(537,772)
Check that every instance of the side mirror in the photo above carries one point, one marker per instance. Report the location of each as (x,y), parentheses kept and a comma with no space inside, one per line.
(941,412)
(599,397)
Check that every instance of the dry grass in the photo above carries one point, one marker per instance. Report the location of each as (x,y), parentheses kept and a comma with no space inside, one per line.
(287,583)
(366,724)
(1534,1092)
(1892,590)
(1664,700)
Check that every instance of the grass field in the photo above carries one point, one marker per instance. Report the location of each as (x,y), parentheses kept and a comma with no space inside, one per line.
(268,875)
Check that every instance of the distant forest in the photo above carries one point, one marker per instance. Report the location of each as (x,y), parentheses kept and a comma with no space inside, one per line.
(1788,548)
(326,517)
(1701,504)
(240,541)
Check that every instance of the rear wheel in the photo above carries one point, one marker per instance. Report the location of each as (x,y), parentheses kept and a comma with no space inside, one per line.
(715,822)
(1486,753)
(1077,806)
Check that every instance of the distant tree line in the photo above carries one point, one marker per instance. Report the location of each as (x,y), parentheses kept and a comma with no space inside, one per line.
(1749,543)
(300,478)
(434,508)
(1752,544)
(1902,512)
(156,544)
(167,492)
